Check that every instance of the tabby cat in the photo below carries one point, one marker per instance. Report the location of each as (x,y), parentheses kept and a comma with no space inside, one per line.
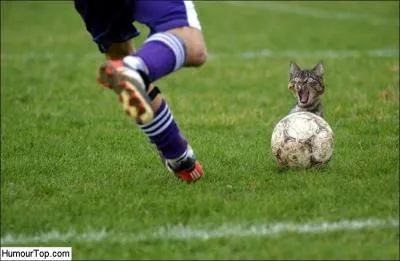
(308,86)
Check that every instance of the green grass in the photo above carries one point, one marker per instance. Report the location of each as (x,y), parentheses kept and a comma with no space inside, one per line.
(71,160)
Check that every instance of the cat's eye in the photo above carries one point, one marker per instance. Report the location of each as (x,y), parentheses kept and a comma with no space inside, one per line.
(310,80)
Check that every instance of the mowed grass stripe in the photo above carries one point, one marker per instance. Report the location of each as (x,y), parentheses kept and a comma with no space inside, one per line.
(318,13)
(249,54)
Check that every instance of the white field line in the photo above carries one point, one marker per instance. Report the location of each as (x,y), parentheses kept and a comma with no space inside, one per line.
(316,13)
(188,233)
(251,54)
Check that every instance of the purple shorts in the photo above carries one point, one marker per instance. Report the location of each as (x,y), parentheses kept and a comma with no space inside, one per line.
(111,21)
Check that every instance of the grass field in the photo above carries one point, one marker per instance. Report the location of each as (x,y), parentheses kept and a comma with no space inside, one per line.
(75,171)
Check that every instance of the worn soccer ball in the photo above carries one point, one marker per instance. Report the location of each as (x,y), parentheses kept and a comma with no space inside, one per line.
(302,140)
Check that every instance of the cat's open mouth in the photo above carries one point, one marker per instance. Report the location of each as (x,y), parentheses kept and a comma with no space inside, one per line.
(303,95)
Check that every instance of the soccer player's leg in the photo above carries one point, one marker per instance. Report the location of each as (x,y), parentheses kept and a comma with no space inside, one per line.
(168,49)
(162,131)
(176,41)
(186,166)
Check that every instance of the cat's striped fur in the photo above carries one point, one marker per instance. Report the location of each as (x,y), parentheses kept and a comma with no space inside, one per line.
(308,86)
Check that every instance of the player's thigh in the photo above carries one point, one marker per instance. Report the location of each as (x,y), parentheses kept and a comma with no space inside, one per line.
(178,17)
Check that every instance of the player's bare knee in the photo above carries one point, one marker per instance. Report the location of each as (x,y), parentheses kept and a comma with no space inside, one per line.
(197,57)
(196,52)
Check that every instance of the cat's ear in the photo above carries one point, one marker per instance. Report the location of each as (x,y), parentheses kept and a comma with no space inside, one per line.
(294,68)
(319,69)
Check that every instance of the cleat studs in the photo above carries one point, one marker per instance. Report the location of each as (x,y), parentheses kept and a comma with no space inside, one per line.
(141,108)
(132,102)
(108,71)
(146,116)
(124,98)
(134,96)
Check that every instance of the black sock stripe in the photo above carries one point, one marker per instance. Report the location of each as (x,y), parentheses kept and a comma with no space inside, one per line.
(154,92)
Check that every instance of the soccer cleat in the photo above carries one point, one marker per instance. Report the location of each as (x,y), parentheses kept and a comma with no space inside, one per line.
(188,169)
(130,87)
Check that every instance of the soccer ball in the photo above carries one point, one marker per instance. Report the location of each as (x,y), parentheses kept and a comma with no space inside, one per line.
(302,140)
